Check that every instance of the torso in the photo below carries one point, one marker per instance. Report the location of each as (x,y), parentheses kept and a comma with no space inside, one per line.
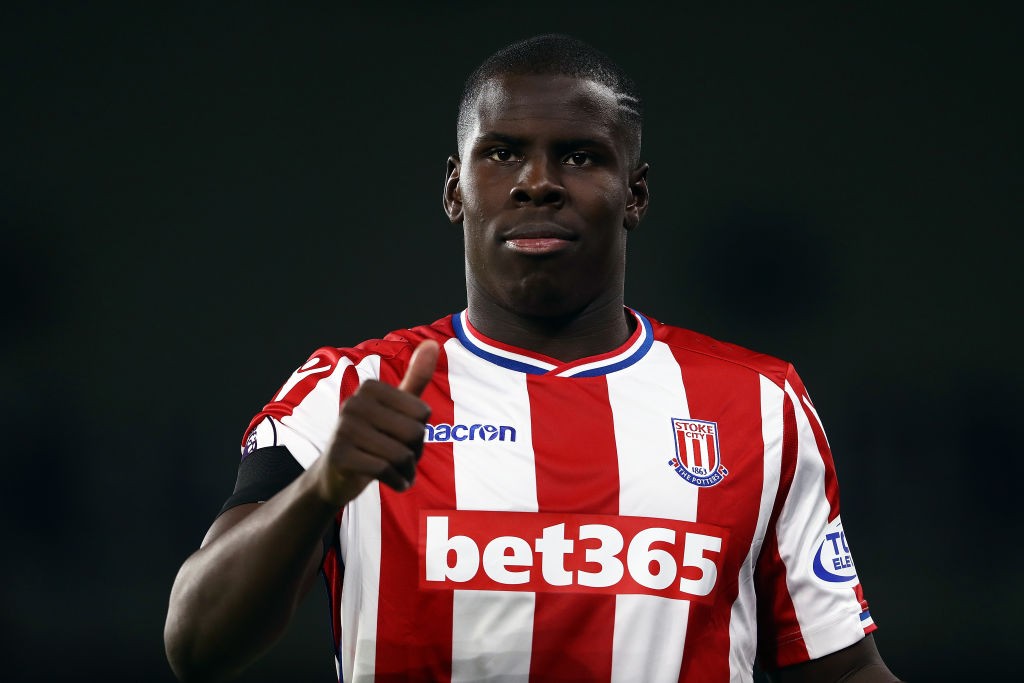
(601,520)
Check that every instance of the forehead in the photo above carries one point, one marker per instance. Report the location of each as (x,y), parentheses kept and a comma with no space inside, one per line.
(541,104)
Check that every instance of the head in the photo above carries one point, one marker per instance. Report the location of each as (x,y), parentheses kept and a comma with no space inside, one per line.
(547,181)
(557,55)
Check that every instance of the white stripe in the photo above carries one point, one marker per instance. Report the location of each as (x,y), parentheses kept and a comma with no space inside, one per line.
(650,631)
(360,533)
(743,617)
(511,355)
(829,616)
(492,631)
(807,402)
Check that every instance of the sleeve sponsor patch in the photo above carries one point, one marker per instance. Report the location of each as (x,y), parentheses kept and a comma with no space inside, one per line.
(833,562)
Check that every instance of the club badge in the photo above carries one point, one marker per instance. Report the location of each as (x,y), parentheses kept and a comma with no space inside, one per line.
(698,459)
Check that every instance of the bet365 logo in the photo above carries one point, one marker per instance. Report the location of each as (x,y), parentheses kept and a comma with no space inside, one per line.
(549,552)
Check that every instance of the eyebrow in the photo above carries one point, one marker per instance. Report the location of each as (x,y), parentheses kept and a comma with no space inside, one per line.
(492,136)
(512,140)
(586,142)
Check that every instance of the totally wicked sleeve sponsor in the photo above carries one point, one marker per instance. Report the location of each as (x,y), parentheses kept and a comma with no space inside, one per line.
(832,561)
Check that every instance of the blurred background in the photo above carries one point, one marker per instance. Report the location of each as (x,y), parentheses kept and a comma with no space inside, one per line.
(193,198)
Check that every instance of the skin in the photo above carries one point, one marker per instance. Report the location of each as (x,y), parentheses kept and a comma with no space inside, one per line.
(547,156)
(523,171)
(546,193)
(234,597)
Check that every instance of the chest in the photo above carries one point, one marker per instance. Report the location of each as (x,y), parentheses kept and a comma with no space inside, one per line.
(643,443)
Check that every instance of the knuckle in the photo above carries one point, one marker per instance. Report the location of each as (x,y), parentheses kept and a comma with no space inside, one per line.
(354,404)
(421,411)
(413,434)
(372,387)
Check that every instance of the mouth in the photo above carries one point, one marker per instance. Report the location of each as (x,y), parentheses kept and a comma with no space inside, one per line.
(538,239)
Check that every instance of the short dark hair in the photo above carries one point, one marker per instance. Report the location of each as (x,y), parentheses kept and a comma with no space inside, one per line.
(557,54)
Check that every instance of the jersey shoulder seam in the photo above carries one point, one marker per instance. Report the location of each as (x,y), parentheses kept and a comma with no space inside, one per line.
(777,377)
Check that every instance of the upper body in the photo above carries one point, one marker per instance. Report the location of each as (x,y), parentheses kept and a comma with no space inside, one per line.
(547,185)
(675,495)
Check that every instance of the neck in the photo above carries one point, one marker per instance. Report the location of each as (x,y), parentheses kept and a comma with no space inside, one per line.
(599,328)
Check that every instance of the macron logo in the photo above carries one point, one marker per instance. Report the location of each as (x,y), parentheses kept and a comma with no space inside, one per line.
(446,432)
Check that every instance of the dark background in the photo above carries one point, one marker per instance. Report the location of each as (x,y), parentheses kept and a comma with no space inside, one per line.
(192,199)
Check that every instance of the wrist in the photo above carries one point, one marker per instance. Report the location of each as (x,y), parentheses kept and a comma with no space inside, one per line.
(332,487)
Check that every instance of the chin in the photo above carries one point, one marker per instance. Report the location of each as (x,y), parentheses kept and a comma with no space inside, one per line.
(544,302)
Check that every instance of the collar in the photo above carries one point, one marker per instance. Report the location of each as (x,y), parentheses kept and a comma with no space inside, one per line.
(523,360)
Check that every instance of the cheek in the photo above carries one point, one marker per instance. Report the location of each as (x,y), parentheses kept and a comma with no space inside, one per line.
(474,200)
(607,206)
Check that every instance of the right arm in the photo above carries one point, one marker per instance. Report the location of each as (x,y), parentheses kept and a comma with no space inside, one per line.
(233,598)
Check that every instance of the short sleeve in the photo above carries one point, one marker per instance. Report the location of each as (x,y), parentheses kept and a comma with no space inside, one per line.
(296,427)
(810,601)
(303,414)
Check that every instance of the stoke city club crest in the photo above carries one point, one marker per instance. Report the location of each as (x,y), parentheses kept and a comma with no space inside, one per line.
(698,458)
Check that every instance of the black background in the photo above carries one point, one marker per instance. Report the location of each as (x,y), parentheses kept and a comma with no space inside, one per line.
(194,198)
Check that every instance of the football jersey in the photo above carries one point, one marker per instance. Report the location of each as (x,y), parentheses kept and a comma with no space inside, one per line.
(667,511)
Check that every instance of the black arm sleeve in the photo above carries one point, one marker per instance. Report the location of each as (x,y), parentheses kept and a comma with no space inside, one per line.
(261,474)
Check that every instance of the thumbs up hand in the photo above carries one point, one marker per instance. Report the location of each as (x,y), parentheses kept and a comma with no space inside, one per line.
(380,433)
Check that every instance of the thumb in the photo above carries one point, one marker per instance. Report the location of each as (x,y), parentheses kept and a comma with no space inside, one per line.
(421,367)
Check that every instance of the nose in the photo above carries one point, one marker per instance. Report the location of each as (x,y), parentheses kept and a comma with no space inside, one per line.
(538,184)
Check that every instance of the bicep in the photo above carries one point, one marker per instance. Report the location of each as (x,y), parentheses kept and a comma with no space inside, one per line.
(226,520)
(235,515)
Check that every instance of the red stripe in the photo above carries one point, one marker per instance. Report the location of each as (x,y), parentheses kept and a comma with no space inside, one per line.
(577,471)
(780,641)
(332,572)
(349,384)
(858,590)
(414,627)
(731,396)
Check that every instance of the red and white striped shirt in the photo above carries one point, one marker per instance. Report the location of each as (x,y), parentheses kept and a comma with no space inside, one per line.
(655,513)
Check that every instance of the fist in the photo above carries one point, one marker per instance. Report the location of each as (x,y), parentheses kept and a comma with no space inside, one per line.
(380,432)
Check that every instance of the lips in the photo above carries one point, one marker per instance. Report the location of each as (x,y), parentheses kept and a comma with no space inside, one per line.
(538,239)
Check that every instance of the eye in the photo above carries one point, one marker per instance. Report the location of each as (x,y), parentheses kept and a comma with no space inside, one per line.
(500,154)
(579,159)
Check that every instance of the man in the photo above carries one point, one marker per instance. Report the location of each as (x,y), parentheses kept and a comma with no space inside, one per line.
(548,485)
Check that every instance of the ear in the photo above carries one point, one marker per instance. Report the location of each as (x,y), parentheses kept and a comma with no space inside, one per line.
(640,197)
(452,199)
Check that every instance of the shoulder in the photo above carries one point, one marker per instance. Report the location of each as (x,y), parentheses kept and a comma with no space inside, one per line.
(697,347)
(309,396)
(396,347)
(337,368)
